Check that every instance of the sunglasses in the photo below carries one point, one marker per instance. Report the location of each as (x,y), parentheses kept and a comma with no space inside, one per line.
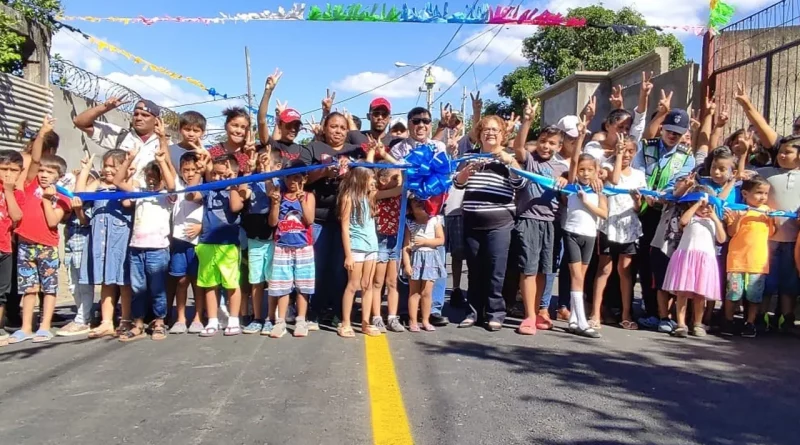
(421,120)
(380,113)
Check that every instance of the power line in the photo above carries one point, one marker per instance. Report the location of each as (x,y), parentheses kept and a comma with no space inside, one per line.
(470,65)
(209,101)
(408,72)
(501,63)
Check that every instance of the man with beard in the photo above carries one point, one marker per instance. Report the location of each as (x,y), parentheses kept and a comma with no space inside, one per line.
(380,112)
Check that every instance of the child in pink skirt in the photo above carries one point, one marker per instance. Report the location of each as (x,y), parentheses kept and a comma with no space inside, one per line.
(692,273)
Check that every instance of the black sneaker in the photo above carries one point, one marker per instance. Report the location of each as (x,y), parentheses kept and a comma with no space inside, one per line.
(727,329)
(439,321)
(749,330)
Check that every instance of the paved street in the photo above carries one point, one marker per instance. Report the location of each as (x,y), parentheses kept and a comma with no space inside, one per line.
(457,387)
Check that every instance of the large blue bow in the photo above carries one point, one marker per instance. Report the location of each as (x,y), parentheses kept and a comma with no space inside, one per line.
(428,173)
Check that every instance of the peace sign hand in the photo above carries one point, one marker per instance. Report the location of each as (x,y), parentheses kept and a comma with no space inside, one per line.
(159,130)
(115,102)
(530,110)
(582,125)
(87,162)
(591,109)
(280,107)
(620,143)
(327,103)
(272,80)
(47,125)
(723,117)
(477,103)
(647,83)
(445,111)
(616,97)
(511,123)
(664,103)
(740,95)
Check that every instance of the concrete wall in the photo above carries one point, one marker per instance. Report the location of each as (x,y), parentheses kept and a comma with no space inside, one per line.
(684,82)
(73,141)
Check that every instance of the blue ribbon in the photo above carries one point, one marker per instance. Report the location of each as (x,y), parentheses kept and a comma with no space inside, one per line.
(719,204)
(206,187)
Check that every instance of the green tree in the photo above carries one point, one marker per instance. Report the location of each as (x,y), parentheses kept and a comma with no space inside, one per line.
(11,43)
(555,52)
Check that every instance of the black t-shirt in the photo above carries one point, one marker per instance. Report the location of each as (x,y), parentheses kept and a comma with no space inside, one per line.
(290,151)
(326,189)
(356,137)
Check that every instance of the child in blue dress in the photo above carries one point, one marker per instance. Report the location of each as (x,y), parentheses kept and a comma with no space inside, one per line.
(421,262)
(104,260)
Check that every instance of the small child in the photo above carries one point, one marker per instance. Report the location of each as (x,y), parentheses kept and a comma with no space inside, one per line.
(218,247)
(11,203)
(37,251)
(293,267)
(356,202)
(148,254)
(104,261)
(692,272)
(619,233)
(748,255)
(421,262)
(192,126)
(388,221)
(260,243)
(580,229)
(187,219)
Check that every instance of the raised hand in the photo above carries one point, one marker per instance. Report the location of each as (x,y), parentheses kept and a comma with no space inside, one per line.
(693,123)
(264,161)
(590,111)
(115,102)
(87,162)
(582,125)
(711,105)
(530,110)
(327,103)
(445,111)
(620,143)
(722,118)
(664,104)
(647,83)
(616,97)
(511,123)
(741,96)
(160,131)
(161,155)
(280,107)
(47,125)
(477,103)
(272,80)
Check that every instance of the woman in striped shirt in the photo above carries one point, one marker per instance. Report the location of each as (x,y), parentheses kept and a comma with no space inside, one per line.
(488,210)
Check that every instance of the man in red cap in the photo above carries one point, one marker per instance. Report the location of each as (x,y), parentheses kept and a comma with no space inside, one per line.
(380,114)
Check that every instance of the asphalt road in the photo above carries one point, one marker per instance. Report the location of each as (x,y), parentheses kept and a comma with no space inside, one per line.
(458,387)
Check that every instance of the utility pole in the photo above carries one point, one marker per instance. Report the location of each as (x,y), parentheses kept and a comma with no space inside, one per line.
(429,81)
(464,111)
(249,90)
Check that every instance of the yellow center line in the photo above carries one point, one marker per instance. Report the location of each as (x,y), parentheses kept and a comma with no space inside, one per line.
(389,421)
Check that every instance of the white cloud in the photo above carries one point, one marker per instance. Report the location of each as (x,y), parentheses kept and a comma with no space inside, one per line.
(506,46)
(407,87)
(72,47)
(158,89)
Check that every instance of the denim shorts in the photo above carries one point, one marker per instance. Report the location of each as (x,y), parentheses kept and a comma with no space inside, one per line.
(782,278)
(183,261)
(387,248)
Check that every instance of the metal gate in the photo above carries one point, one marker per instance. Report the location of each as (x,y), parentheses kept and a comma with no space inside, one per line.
(763,51)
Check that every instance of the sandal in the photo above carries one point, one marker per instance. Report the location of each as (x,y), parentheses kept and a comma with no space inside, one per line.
(231,331)
(370,330)
(413,327)
(628,325)
(42,335)
(159,332)
(467,323)
(208,332)
(594,324)
(124,326)
(133,334)
(428,327)
(527,327)
(105,329)
(345,331)
(19,337)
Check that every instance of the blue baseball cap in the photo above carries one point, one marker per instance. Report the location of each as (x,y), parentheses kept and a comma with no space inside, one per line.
(677,121)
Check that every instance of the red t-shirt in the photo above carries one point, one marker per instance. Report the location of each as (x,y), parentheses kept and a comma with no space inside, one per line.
(388,215)
(219,150)
(5,221)
(33,226)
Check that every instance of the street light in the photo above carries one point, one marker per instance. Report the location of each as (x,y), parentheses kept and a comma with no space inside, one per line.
(429,81)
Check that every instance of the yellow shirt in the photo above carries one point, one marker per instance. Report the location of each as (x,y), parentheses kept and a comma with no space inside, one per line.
(748,251)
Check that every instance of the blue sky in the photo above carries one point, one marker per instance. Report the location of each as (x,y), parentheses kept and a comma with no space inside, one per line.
(346,57)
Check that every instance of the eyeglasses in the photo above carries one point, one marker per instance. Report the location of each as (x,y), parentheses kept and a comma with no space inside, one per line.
(380,114)
(421,120)
(490,130)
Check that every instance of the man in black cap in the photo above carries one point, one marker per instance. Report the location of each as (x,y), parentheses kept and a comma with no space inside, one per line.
(141,134)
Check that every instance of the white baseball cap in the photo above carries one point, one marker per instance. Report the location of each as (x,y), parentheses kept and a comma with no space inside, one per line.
(569,125)
(398,121)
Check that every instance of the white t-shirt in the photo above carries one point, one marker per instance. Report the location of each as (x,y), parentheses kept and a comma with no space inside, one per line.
(580,220)
(700,235)
(427,231)
(175,153)
(105,135)
(151,222)
(452,205)
(623,225)
(184,213)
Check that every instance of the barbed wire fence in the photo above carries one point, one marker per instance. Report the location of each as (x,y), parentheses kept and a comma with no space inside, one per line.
(76,80)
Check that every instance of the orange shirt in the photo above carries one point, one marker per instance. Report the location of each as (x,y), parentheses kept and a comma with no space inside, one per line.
(748,251)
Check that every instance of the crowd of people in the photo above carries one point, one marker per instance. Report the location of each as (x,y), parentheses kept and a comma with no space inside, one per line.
(309,240)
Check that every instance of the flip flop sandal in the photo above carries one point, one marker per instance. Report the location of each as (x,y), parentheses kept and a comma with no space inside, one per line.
(130,335)
(428,327)
(19,337)
(209,332)
(414,328)
(106,329)
(345,331)
(178,328)
(124,326)
(370,330)
(595,325)
(42,335)
(527,327)
(231,331)
(159,333)
(629,325)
